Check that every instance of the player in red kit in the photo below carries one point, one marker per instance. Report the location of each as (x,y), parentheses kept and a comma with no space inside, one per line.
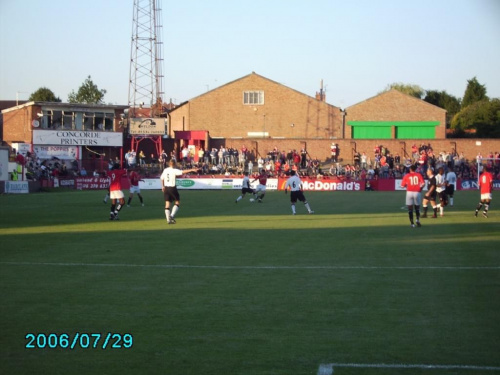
(414,183)
(261,187)
(134,186)
(486,188)
(115,191)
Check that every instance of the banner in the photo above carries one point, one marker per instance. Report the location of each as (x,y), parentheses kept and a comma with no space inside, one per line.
(327,185)
(77,138)
(148,126)
(91,183)
(16,187)
(60,152)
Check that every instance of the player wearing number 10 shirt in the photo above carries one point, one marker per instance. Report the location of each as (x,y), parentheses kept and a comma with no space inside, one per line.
(414,183)
(486,187)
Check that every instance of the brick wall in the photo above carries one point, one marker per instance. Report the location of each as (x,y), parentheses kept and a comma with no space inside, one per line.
(17,125)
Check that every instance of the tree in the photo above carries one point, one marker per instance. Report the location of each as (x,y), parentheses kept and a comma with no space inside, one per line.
(444,100)
(409,89)
(474,92)
(43,94)
(88,93)
(483,116)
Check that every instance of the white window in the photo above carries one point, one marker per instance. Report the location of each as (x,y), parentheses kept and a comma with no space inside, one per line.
(253,97)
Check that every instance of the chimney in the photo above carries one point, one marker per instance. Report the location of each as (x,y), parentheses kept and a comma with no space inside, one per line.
(321,96)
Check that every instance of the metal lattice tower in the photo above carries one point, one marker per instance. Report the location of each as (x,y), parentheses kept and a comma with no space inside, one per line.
(146,57)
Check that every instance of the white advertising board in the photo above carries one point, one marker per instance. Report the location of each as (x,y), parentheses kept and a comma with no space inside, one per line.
(206,183)
(4,163)
(77,138)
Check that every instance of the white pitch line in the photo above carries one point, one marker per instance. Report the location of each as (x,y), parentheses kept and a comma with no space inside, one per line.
(251,267)
(328,368)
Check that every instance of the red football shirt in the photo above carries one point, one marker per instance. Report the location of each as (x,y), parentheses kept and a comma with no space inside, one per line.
(116,175)
(134,178)
(413,181)
(485,182)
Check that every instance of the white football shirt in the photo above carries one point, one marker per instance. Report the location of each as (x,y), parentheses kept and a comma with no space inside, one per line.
(169,175)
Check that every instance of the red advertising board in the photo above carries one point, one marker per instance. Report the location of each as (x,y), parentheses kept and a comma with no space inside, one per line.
(325,184)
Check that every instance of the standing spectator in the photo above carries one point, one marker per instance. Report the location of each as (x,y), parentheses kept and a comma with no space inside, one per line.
(201,154)
(333,151)
(131,158)
(260,164)
(303,158)
(142,158)
(296,193)
(185,155)
(414,183)
(486,188)
(169,189)
(250,167)
(363,160)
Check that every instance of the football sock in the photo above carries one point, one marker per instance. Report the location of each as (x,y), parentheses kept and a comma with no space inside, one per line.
(167,213)
(239,198)
(113,206)
(486,208)
(307,206)
(441,210)
(425,209)
(106,198)
(119,207)
(451,201)
(293,208)
(435,210)
(410,214)
(140,198)
(174,210)
(478,207)
(129,200)
(417,212)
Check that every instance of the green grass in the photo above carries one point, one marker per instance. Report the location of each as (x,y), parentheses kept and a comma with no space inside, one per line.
(248,288)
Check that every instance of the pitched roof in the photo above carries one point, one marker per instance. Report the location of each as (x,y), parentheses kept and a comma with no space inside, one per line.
(396,92)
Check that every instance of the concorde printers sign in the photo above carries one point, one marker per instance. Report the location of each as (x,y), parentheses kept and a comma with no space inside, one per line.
(77,138)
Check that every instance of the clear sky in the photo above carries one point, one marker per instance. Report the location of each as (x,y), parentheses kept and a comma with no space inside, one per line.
(357,47)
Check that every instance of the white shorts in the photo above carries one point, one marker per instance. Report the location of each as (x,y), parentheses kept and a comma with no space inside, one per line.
(412,198)
(116,194)
(135,189)
(261,188)
(485,197)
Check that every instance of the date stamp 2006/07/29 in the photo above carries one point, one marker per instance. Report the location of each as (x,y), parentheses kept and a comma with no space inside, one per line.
(79,340)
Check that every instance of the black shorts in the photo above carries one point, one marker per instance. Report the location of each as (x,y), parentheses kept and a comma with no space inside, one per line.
(430,197)
(247,190)
(171,194)
(443,197)
(450,189)
(297,196)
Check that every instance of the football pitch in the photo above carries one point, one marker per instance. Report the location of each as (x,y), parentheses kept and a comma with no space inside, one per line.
(247,288)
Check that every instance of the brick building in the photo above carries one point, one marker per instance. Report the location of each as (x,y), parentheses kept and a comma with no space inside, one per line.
(65,131)
(394,115)
(255,107)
